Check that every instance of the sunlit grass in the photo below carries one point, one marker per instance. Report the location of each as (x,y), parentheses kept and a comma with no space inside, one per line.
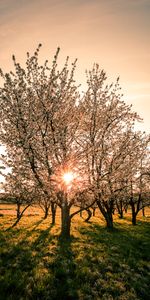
(95,264)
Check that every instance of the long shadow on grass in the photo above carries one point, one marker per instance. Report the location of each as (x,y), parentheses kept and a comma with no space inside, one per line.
(35,224)
(38,266)
(64,268)
(21,266)
(117,263)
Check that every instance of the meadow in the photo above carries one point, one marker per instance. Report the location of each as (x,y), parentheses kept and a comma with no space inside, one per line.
(94,264)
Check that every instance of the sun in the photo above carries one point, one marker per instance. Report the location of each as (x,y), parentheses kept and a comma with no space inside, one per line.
(68,177)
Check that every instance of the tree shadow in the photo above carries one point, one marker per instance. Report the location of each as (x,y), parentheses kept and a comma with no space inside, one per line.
(120,257)
(39,268)
(19,264)
(99,264)
(143,219)
(36,224)
(64,268)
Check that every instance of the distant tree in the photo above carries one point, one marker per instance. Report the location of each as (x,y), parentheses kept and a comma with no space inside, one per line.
(84,198)
(19,193)
(121,203)
(19,185)
(47,203)
(139,183)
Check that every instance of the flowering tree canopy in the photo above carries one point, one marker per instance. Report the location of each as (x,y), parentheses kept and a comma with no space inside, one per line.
(52,132)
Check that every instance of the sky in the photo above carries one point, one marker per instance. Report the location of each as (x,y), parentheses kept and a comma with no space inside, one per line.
(113,33)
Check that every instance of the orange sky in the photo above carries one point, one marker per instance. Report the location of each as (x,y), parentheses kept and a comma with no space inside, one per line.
(113,33)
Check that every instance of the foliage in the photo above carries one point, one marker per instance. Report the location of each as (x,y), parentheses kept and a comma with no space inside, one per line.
(50,130)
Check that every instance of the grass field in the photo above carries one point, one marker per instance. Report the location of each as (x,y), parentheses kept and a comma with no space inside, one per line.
(95,264)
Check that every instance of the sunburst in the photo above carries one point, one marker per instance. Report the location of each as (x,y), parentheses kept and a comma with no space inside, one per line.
(68,177)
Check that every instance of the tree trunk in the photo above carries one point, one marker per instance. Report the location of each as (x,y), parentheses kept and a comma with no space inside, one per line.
(121,214)
(46,209)
(134,214)
(126,208)
(143,211)
(53,210)
(94,209)
(81,212)
(107,213)
(20,216)
(133,218)
(65,220)
(109,221)
(17,221)
(120,208)
(89,215)
(18,210)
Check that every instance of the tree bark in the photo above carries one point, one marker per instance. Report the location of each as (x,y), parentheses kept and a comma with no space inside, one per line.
(89,215)
(18,210)
(134,214)
(120,208)
(121,214)
(107,213)
(46,210)
(81,213)
(94,209)
(143,211)
(65,220)
(109,220)
(20,216)
(53,210)
(126,208)
(133,218)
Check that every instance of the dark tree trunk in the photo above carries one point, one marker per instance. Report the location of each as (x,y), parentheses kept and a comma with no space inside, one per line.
(20,216)
(89,215)
(94,209)
(46,210)
(133,218)
(134,214)
(107,212)
(126,208)
(18,210)
(65,220)
(120,208)
(109,220)
(121,214)
(17,221)
(143,208)
(143,211)
(81,212)
(53,210)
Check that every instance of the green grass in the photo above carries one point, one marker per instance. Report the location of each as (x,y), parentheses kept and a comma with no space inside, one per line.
(95,264)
